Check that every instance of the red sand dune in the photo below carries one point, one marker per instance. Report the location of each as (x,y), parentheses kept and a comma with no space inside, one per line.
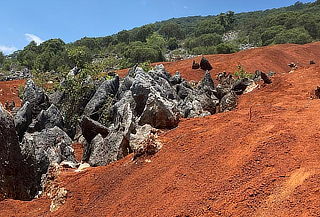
(223,165)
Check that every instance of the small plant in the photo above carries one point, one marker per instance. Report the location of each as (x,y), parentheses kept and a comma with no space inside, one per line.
(241,73)
(105,112)
(146,66)
(20,91)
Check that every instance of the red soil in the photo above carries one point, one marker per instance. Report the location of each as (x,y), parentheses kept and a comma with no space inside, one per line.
(9,91)
(78,150)
(273,58)
(223,165)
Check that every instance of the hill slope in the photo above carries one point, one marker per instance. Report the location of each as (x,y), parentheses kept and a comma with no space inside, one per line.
(223,165)
(272,58)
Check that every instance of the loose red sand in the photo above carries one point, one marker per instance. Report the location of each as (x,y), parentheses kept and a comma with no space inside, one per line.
(9,91)
(224,165)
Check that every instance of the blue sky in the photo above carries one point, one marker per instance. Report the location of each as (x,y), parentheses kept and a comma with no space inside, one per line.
(39,20)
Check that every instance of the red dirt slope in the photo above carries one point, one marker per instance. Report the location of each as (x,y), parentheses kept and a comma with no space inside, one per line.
(222,165)
(273,58)
(9,91)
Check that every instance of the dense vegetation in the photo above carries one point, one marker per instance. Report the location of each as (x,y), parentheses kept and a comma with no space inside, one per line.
(224,33)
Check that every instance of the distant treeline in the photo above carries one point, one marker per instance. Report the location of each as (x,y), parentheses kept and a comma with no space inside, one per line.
(299,23)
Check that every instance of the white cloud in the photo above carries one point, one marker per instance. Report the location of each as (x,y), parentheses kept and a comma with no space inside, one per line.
(185,7)
(32,37)
(7,50)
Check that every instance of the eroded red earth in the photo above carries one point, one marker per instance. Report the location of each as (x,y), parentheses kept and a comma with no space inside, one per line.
(9,91)
(262,159)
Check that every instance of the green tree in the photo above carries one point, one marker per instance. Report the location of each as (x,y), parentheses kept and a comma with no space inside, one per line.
(90,43)
(157,41)
(28,55)
(226,48)
(226,20)
(267,37)
(208,40)
(79,56)
(139,52)
(142,33)
(171,30)
(209,26)
(123,36)
(297,36)
(172,44)
(2,58)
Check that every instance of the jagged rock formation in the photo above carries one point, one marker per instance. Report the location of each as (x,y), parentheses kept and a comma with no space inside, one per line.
(47,119)
(153,99)
(45,148)
(36,97)
(23,119)
(205,64)
(16,176)
(115,120)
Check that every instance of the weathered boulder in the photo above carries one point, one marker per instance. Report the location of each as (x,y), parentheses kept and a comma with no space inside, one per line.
(56,98)
(205,64)
(115,146)
(23,119)
(183,91)
(159,112)
(90,128)
(106,90)
(265,78)
(140,90)
(240,85)
(16,176)
(45,148)
(74,71)
(124,86)
(160,72)
(222,90)
(47,119)
(207,82)
(195,65)
(140,135)
(228,102)
(36,97)
(176,79)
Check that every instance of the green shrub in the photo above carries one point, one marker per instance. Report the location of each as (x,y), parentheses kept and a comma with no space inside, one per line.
(241,73)
(226,48)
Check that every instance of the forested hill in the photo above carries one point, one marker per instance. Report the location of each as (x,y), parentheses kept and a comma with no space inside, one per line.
(224,33)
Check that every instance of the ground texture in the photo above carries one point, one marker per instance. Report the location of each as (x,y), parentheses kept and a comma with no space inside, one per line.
(262,159)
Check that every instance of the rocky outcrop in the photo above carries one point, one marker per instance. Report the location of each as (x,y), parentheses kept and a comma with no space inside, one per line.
(107,89)
(23,119)
(112,117)
(195,65)
(205,64)
(47,119)
(45,148)
(36,97)
(159,113)
(91,128)
(16,176)
(16,75)
(228,102)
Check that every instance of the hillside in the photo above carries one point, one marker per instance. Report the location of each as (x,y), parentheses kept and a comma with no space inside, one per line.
(261,159)
(272,58)
(224,33)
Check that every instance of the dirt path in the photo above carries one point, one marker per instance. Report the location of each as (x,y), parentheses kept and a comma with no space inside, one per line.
(221,165)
